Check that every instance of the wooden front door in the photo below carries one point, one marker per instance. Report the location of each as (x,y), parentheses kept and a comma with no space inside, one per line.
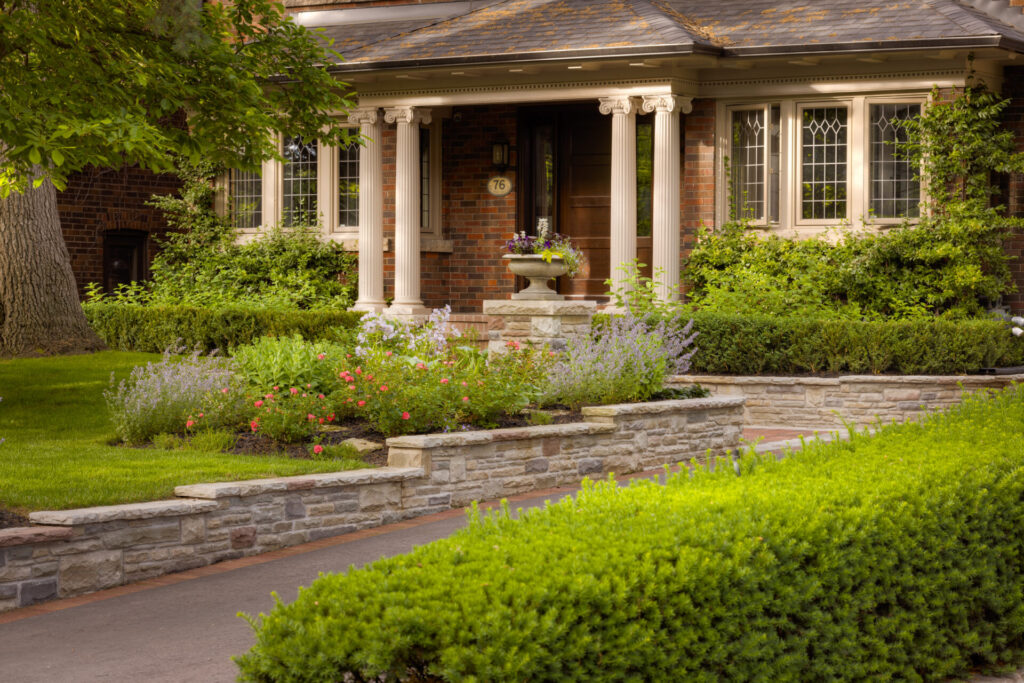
(565,164)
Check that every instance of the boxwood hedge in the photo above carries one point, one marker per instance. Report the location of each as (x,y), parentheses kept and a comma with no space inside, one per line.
(891,557)
(766,345)
(155,328)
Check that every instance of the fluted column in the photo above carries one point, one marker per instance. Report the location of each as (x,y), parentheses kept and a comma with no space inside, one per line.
(666,190)
(623,209)
(407,208)
(371,211)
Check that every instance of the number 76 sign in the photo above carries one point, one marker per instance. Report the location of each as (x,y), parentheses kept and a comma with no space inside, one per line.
(499,186)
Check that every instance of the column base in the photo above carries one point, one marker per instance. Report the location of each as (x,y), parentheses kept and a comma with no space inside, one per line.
(407,310)
(369,306)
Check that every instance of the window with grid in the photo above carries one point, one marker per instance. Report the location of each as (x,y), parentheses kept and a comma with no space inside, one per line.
(299,178)
(895,192)
(245,189)
(348,186)
(425,178)
(754,159)
(823,143)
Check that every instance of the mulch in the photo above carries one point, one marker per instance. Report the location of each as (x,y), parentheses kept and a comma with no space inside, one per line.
(10,519)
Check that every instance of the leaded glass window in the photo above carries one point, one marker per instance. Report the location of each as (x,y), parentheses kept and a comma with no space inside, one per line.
(895,190)
(299,180)
(348,186)
(824,142)
(754,162)
(245,189)
(425,179)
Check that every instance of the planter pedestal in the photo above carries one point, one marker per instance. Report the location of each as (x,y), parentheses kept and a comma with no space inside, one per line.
(537,322)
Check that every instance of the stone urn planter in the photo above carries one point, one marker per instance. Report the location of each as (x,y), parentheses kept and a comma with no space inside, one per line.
(538,271)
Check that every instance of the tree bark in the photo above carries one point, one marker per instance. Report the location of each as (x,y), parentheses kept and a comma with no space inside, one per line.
(39,309)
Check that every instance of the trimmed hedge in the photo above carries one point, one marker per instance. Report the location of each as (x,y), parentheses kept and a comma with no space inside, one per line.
(893,557)
(764,345)
(155,328)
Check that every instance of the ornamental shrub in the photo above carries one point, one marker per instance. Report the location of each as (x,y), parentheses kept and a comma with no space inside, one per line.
(748,344)
(288,361)
(892,557)
(132,327)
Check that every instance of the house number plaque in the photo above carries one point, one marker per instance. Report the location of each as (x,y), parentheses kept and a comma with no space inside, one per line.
(499,186)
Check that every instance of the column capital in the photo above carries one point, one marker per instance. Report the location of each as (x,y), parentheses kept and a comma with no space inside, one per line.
(363,115)
(619,104)
(669,103)
(407,114)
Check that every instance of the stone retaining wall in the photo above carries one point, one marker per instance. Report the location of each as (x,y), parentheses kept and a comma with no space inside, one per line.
(72,552)
(829,401)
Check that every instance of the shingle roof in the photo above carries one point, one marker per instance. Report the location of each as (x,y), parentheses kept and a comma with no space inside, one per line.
(532,29)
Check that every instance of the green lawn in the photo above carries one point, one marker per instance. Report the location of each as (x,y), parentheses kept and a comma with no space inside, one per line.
(56,453)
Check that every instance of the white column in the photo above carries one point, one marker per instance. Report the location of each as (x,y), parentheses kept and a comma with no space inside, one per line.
(666,190)
(623,210)
(407,208)
(371,211)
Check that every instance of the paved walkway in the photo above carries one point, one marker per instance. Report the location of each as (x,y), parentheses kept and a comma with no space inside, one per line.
(183,627)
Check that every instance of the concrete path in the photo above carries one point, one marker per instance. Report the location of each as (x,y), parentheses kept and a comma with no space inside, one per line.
(183,627)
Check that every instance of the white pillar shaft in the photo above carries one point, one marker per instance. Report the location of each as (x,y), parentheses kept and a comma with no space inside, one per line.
(371,212)
(623,205)
(666,194)
(407,208)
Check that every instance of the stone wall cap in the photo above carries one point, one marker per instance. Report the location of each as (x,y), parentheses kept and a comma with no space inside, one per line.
(23,535)
(658,407)
(969,380)
(110,513)
(486,436)
(254,487)
(530,307)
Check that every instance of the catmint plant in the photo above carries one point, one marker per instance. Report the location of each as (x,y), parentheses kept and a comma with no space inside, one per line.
(162,397)
(626,360)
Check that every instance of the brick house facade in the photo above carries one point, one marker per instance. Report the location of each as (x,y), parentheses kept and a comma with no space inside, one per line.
(584,78)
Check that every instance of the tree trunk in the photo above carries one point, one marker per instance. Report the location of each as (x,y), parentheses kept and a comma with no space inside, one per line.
(39,309)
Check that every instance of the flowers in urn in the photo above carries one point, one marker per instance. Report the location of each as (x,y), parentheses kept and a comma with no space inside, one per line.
(549,246)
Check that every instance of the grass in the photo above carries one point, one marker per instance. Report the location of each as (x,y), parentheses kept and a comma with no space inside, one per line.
(57,453)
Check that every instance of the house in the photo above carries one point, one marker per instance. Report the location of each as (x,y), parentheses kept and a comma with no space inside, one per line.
(626,124)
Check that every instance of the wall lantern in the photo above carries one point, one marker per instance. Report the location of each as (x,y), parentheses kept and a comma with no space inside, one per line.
(499,155)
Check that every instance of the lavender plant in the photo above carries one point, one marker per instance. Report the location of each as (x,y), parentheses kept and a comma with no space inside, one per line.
(161,397)
(626,360)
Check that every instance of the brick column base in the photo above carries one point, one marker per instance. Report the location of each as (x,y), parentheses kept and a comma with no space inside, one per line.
(541,323)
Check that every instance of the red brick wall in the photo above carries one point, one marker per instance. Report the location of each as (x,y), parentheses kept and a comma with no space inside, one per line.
(698,175)
(478,224)
(101,199)
(1013,87)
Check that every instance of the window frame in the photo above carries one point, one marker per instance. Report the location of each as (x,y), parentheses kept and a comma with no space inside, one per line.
(858,166)
(765,108)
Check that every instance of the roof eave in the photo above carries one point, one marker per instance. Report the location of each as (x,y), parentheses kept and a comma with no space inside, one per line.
(598,54)
(965,42)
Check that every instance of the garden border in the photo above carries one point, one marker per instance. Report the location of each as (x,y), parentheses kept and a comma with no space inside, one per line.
(835,401)
(73,552)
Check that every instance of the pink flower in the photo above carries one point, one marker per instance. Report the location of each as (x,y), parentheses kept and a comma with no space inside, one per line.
(277,388)
(348,355)
(294,391)
(330,418)
(320,356)
(318,449)
(269,396)
(383,387)
(348,400)
(551,353)
(200,414)
(320,396)
(405,416)
(188,425)
(512,344)
(465,399)
(464,383)
(310,416)
(359,371)
(303,394)
(360,403)
(351,386)
(258,404)
(308,386)
(421,366)
(342,374)
(254,425)
(444,380)
(224,390)
(321,420)
(388,354)
(369,377)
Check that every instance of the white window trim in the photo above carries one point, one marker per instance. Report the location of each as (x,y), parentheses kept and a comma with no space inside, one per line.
(858,174)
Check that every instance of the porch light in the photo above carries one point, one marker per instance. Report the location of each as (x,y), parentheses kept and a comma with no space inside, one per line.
(499,155)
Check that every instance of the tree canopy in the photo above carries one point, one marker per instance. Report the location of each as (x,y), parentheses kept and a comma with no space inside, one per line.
(107,82)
